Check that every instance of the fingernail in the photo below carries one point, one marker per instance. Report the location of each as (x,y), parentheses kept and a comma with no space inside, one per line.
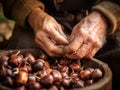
(66,41)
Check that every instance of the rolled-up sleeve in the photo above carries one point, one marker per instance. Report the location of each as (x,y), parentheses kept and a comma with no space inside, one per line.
(112,13)
(18,10)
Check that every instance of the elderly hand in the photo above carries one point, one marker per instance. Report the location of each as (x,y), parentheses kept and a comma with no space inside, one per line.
(48,33)
(87,37)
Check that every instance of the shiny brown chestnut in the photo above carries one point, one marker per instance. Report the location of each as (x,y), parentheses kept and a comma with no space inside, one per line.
(96,74)
(30,58)
(85,75)
(47,80)
(22,77)
(33,85)
(56,75)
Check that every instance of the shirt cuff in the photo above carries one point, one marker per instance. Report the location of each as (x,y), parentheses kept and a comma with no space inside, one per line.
(23,8)
(111,11)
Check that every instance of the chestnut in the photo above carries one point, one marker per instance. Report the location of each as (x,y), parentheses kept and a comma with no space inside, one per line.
(74,75)
(53,87)
(15,60)
(27,68)
(66,82)
(31,77)
(23,68)
(56,75)
(4,61)
(43,72)
(8,81)
(64,69)
(90,69)
(78,84)
(26,72)
(5,64)
(20,88)
(22,77)
(85,75)
(57,84)
(89,82)
(30,58)
(96,74)
(47,80)
(74,67)
(9,72)
(38,65)
(33,85)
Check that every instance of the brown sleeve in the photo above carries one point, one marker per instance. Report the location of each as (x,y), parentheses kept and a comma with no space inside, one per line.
(112,13)
(18,10)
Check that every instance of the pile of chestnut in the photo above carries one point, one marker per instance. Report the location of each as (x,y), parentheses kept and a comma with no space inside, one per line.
(27,72)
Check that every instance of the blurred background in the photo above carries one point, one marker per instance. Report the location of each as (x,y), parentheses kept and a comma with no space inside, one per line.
(6,28)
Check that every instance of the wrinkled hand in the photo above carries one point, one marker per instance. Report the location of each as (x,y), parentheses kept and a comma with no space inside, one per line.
(48,33)
(87,37)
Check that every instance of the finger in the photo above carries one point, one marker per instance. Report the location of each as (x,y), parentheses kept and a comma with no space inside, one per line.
(92,53)
(81,52)
(52,54)
(45,49)
(73,34)
(62,33)
(60,30)
(49,46)
(74,45)
(55,35)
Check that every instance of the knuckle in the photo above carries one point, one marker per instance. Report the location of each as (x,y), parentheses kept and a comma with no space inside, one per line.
(38,35)
(78,55)
(89,56)
(98,44)
(51,54)
(51,49)
(56,38)
(72,49)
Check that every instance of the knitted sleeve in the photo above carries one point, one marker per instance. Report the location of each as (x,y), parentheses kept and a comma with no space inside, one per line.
(18,10)
(112,13)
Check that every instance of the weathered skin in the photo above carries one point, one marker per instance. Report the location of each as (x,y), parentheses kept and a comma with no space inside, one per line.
(48,32)
(87,37)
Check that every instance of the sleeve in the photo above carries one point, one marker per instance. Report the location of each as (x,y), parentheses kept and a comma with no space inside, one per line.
(18,10)
(111,11)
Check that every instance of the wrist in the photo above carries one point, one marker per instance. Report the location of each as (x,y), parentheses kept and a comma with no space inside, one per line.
(36,14)
(111,12)
(99,16)
(102,17)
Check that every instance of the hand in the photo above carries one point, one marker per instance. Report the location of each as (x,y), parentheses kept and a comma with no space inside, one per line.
(87,37)
(48,33)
